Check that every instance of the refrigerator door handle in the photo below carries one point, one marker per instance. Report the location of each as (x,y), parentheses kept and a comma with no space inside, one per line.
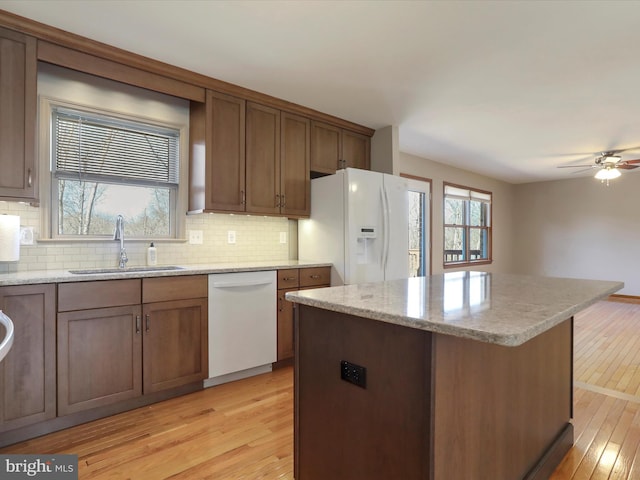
(386,228)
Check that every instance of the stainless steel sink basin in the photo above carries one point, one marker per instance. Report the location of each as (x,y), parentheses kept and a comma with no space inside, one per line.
(125,270)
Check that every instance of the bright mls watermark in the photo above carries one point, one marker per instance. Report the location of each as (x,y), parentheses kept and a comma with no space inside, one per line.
(51,467)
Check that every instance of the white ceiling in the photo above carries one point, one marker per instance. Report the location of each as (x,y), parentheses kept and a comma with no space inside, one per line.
(506,89)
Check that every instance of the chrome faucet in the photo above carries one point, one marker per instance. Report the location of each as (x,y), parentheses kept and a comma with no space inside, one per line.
(119,235)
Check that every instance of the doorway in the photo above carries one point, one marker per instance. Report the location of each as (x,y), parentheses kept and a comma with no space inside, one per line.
(419,225)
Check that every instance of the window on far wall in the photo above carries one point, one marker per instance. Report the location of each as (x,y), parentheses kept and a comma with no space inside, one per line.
(467,226)
(103,166)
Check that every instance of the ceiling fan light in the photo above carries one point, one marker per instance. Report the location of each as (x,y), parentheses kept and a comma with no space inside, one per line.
(607,173)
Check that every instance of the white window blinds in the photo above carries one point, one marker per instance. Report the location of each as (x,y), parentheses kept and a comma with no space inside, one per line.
(86,146)
(466,194)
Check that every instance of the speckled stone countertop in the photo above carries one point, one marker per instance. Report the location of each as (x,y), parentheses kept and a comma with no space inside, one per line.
(503,309)
(62,276)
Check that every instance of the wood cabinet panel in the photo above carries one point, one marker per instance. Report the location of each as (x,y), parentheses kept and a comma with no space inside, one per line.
(315,276)
(164,289)
(98,294)
(288,278)
(175,344)
(99,357)
(291,280)
(326,149)
(333,148)
(28,372)
(356,150)
(17,116)
(225,179)
(285,326)
(217,167)
(295,154)
(263,159)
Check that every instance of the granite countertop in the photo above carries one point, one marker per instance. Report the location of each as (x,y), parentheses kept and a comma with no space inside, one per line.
(504,309)
(62,276)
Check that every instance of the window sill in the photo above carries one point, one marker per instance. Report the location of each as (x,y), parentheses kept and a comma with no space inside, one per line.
(467,264)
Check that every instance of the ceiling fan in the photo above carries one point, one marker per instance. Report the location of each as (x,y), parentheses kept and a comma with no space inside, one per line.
(608,164)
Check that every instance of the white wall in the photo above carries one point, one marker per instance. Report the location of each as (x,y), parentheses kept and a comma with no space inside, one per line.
(502,209)
(580,228)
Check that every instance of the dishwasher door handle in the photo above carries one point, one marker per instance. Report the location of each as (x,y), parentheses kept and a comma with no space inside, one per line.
(241,284)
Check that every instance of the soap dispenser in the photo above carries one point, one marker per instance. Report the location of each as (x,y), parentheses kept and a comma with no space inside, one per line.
(152,255)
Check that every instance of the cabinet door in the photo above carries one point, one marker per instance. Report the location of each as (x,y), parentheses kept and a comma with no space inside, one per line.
(28,372)
(356,150)
(175,344)
(295,149)
(326,149)
(225,153)
(285,326)
(263,159)
(99,357)
(17,116)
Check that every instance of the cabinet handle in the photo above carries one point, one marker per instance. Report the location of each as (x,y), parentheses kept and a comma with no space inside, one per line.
(278,201)
(280,304)
(137,323)
(146,322)
(283,200)
(29,178)
(314,276)
(244,197)
(286,279)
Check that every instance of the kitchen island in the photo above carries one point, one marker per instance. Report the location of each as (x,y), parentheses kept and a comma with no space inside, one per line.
(465,375)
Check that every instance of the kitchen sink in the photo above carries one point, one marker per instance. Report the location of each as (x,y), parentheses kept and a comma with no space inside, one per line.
(125,270)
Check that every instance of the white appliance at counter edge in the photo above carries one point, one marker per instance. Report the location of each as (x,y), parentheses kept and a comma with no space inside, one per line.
(242,325)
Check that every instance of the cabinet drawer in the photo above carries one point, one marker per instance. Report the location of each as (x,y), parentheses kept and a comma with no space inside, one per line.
(164,289)
(310,277)
(98,294)
(288,278)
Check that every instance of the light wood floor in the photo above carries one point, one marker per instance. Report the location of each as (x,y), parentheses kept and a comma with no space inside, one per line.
(244,430)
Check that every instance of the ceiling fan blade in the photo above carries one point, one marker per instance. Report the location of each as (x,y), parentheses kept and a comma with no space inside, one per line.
(578,166)
(627,162)
(584,170)
(627,167)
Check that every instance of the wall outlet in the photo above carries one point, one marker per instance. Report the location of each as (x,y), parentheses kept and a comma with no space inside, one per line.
(26,235)
(195,237)
(283,237)
(231,236)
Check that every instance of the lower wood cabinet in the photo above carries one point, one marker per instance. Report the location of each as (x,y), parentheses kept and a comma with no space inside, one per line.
(175,343)
(289,280)
(28,372)
(131,344)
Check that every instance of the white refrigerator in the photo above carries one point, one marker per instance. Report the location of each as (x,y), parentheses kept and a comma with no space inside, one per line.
(359,223)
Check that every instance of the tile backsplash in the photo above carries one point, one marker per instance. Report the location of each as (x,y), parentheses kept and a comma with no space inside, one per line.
(257,239)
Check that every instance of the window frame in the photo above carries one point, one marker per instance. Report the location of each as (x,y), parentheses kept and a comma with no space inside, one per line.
(467,228)
(49,191)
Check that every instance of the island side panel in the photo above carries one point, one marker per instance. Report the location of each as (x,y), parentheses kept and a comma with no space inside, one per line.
(498,410)
(343,431)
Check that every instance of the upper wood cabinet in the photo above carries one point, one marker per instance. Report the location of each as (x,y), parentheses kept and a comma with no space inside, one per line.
(217,167)
(263,159)
(295,164)
(333,148)
(28,372)
(18,162)
(247,157)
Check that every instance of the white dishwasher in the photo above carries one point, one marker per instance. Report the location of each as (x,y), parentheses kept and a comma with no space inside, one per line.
(242,325)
